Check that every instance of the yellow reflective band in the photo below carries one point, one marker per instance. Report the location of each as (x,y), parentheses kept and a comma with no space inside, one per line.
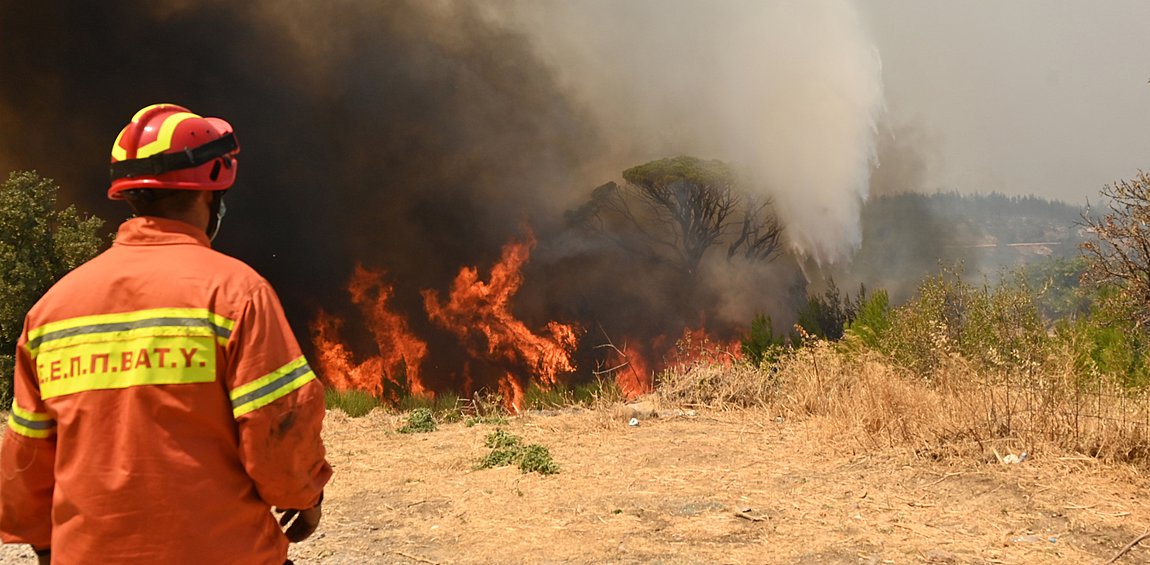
(128,360)
(119,153)
(163,140)
(269,388)
(172,322)
(31,424)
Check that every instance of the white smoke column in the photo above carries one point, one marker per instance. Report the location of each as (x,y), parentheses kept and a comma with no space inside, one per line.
(788,90)
(806,116)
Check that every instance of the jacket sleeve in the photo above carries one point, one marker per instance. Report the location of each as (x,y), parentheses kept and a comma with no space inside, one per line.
(27,460)
(278,405)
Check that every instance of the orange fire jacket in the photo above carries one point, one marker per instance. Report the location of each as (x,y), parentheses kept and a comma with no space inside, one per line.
(162,405)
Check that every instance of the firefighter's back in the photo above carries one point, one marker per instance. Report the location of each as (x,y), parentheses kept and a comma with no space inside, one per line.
(132,353)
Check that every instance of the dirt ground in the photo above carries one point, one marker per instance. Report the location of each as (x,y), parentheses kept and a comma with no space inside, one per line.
(687,488)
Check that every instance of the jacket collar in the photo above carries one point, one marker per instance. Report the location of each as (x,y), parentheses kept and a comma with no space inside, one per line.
(151,230)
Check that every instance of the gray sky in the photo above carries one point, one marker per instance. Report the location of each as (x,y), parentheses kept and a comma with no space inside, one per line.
(1021,97)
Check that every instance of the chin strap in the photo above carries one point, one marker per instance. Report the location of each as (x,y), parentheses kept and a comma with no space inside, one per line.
(218,210)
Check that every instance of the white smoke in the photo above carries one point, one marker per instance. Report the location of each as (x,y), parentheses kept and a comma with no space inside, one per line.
(787,90)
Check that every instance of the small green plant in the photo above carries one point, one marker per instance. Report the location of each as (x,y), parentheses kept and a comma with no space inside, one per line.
(492,420)
(354,403)
(873,321)
(762,346)
(508,449)
(500,439)
(537,458)
(444,406)
(420,420)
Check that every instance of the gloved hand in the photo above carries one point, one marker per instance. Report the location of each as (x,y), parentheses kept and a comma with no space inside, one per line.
(305,523)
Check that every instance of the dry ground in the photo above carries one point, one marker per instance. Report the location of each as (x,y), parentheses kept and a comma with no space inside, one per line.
(672,489)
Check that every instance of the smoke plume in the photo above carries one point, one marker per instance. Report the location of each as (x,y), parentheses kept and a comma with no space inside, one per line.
(790,91)
(416,138)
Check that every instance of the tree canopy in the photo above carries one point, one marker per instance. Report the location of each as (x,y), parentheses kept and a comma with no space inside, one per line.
(38,244)
(674,210)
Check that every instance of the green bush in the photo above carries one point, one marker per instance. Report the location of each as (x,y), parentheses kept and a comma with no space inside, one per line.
(508,449)
(762,346)
(995,327)
(493,420)
(826,316)
(1002,328)
(444,406)
(873,321)
(354,403)
(537,458)
(38,244)
(419,421)
(1108,343)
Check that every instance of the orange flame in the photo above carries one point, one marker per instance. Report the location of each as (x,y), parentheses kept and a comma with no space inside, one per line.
(512,393)
(634,366)
(479,314)
(401,353)
(697,345)
(632,371)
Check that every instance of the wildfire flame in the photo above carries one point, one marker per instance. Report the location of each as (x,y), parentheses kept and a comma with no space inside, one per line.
(632,370)
(396,369)
(479,314)
(635,365)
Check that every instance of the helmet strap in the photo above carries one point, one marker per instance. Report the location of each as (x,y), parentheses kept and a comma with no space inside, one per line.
(218,209)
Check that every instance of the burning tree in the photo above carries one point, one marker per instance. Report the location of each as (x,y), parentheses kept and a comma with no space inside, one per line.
(673,211)
(1119,253)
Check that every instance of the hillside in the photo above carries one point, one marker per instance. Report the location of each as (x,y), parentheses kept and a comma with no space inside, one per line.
(908,236)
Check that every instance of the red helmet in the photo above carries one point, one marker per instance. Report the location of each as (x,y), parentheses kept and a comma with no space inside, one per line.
(167,146)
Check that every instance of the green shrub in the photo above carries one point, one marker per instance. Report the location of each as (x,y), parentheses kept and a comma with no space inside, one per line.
(444,406)
(39,243)
(536,397)
(1059,294)
(997,327)
(826,316)
(354,403)
(494,420)
(501,439)
(926,329)
(1108,343)
(762,346)
(420,420)
(537,458)
(873,321)
(1002,328)
(508,449)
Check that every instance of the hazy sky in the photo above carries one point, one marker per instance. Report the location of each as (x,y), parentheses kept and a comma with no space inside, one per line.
(1043,97)
(1023,97)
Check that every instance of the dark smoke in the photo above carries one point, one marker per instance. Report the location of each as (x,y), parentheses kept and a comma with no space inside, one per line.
(411,136)
(418,137)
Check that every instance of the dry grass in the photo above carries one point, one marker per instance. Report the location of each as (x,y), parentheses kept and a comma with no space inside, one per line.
(956,410)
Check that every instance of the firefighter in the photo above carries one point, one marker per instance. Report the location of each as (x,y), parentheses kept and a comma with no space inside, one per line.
(162,406)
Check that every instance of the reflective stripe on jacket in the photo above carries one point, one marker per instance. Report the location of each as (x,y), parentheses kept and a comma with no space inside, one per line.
(162,406)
